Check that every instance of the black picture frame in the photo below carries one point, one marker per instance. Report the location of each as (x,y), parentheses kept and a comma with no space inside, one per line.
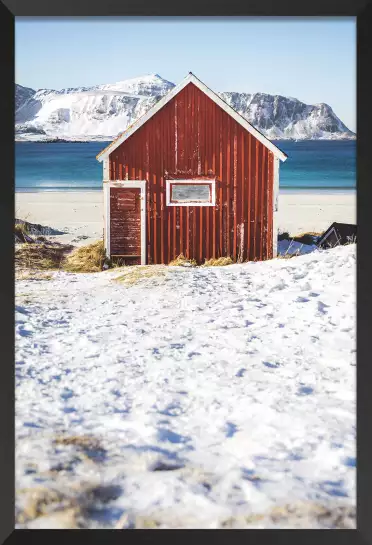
(362,10)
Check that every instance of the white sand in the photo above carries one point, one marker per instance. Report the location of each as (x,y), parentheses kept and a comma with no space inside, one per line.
(80,214)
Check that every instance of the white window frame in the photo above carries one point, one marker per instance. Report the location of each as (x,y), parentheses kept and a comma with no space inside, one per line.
(130,184)
(210,182)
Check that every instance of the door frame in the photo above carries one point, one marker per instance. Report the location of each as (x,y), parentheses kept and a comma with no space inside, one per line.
(130,184)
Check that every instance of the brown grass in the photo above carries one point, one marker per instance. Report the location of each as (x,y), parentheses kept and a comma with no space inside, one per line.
(40,501)
(86,258)
(306,238)
(45,256)
(182,261)
(140,272)
(299,515)
(86,444)
(218,262)
(69,508)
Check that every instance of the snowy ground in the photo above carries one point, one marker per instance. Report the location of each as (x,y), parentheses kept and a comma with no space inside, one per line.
(197,398)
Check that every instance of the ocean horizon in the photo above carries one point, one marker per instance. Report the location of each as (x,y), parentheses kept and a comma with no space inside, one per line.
(312,165)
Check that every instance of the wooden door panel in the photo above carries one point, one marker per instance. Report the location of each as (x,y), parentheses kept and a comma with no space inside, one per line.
(125,220)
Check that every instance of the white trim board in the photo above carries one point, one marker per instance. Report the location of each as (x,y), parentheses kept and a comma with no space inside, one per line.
(190,78)
(130,184)
(275,206)
(210,182)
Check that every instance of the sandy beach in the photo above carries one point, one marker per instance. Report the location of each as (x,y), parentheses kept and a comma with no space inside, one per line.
(79,214)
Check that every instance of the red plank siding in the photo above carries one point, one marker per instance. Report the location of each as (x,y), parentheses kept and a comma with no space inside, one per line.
(192,137)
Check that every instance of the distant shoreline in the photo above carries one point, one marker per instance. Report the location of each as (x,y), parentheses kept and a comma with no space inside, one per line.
(282,190)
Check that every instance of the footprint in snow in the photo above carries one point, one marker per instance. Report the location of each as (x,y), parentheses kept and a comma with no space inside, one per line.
(302,300)
(66,394)
(350,461)
(173,409)
(305,390)
(231,429)
(322,307)
(25,332)
(272,365)
(171,436)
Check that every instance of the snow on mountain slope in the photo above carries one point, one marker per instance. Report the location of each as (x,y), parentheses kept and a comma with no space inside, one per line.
(22,94)
(281,117)
(198,398)
(103,111)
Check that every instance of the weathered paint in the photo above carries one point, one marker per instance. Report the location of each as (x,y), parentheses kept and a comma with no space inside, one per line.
(125,219)
(192,137)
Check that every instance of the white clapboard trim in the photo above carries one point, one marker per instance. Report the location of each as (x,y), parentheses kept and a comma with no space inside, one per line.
(210,182)
(275,206)
(130,184)
(106,169)
(190,78)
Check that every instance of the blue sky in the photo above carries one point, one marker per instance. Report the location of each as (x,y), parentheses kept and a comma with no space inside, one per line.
(312,59)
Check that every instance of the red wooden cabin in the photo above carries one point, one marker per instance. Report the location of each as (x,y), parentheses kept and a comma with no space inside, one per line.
(190,176)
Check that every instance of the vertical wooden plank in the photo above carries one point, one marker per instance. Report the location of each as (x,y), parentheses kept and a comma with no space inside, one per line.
(269,208)
(228,184)
(222,186)
(147,177)
(207,123)
(258,187)
(235,171)
(214,169)
(133,161)
(264,204)
(187,208)
(248,174)
(243,193)
(163,124)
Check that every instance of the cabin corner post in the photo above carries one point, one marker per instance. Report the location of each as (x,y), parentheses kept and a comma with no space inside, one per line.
(143,222)
(275,206)
(106,207)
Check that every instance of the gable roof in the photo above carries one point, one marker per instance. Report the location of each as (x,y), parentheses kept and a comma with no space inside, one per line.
(190,78)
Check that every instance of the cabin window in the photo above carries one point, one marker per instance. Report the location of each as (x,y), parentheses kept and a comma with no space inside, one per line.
(190,192)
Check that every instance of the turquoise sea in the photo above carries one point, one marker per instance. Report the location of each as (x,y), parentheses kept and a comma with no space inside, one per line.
(314,164)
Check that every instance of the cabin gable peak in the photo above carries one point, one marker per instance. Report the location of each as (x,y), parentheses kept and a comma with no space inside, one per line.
(190,78)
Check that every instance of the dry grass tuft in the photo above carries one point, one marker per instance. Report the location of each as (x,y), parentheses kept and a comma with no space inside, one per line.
(288,256)
(307,238)
(43,256)
(182,261)
(22,233)
(32,275)
(86,258)
(86,444)
(301,515)
(71,507)
(218,262)
(41,501)
(141,272)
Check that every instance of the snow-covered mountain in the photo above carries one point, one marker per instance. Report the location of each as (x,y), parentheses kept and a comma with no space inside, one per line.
(103,111)
(279,117)
(22,94)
